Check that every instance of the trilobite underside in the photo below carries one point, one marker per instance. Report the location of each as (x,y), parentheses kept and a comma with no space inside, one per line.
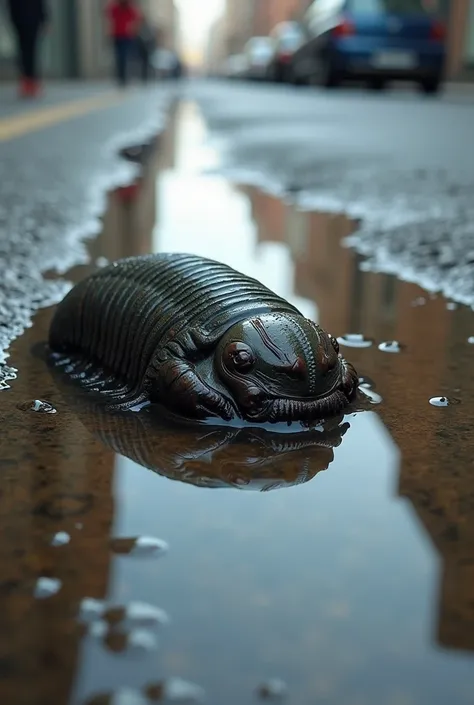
(199,338)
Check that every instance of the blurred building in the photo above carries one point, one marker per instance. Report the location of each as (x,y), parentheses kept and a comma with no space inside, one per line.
(216,51)
(164,16)
(268,13)
(461,39)
(248,18)
(238,19)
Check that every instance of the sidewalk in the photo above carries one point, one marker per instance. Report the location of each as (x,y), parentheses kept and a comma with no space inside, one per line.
(58,158)
(55,93)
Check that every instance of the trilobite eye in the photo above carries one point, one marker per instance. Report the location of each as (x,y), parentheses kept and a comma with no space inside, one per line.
(334,343)
(240,357)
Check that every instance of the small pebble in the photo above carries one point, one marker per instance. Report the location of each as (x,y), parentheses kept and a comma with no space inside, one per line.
(443,401)
(451,306)
(470,340)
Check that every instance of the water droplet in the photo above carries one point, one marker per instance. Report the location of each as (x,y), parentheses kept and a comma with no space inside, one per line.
(42,407)
(372,396)
(176,690)
(443,401)
(420,301)
(124,696)
(366,382)
(142,640)
(91,609)
(139,407)
(273,689)
(355,340)
(7,374)
(60,539)
(142,546)
(98,630)
(137,613)
(47,587)
(391,346)
(451,306)
(137,640)
(470,340)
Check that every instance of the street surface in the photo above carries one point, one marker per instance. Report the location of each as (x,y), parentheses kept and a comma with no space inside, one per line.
(58,158)
(401,162)
(339,564)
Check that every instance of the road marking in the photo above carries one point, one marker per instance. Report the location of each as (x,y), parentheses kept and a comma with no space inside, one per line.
(18,125)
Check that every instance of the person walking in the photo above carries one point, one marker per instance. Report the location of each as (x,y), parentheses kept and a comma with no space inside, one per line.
(145,45)
(28,18)
(124,19)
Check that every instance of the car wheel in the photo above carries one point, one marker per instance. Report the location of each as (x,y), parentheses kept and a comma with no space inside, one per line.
(430,86)
(294,78)
(377,84)
(278,73)
(327,76)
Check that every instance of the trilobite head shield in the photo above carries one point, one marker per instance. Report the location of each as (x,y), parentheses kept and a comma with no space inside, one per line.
(283,367)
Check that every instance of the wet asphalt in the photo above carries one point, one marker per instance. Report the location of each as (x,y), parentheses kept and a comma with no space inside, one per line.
(401,162)
(343,573)
(53,183)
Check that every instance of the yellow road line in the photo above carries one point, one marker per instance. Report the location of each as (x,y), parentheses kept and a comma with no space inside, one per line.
(17,125)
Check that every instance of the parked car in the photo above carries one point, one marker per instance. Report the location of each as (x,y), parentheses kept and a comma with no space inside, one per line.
(235,66)
(258,53)
(167,64)
(286,38)
(373,40)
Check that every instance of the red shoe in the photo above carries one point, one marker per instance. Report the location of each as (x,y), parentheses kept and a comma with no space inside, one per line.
(35,89)
(29,88)
(24,89)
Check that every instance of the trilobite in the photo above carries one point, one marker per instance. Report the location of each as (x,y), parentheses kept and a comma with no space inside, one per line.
(199,338)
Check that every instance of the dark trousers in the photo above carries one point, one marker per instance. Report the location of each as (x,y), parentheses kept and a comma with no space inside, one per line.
(27,35)
(143,55)
(123,47)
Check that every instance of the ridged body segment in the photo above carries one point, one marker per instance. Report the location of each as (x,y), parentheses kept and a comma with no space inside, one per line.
(120,316)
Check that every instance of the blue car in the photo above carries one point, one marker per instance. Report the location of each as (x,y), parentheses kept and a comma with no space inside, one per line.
(374,41)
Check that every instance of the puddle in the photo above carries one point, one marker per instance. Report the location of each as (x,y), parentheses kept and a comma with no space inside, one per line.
(343,574)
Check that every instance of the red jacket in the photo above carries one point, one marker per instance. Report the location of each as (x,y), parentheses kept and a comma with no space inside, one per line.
(123,19)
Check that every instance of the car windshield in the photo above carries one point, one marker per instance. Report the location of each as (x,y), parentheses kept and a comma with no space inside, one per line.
(290,39)
(260,46)
(395,6)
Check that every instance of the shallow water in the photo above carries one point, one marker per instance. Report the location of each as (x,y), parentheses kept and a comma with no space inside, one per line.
(351,578)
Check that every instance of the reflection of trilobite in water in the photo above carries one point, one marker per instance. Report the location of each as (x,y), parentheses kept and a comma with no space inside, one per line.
(200,338)
(216,456)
